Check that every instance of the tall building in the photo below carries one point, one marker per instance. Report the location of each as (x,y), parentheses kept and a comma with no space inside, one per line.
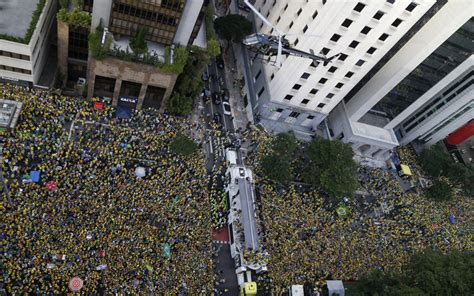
(119,74)
(301,94)
(421,95)
(25,37)
(404,72)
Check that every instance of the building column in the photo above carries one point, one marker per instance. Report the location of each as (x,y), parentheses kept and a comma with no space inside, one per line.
(167,94)
(118,85)
(63,47)
(141,96)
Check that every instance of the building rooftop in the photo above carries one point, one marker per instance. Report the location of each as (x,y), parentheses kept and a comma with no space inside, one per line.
(9,112)
(15,16)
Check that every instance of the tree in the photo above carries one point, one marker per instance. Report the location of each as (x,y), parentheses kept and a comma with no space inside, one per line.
(440,190)
(183,145)
(438,274)
(213,47)
(276,169)
(462,175)
(180,104)
(232,27)
(285,145)
(329,165)
(138,43)
(427,273)
(435,161)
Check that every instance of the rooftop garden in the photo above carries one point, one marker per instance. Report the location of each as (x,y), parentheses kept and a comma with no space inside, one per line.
(138,52)
(31,28)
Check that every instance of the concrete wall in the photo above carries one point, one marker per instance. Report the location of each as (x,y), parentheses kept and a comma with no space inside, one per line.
(439,28)
(101,11)
(63,46)
(328,21)
(36,49)
(134,72)
(187,22)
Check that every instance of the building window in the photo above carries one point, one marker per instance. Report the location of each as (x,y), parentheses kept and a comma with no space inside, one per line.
(294,114)
(359,7)
(411,6)
(288,97)
(296,41)
(360,63)
(332,69)
(322,80)
(397,22)
(383,37)
(346,23)
(310,117)
(378,15)
(339,85)
(286,7)
(315,14)
(305,101)
(313,91)
(305,75)
(391,1)
(279,110)
(330,95)
(297,86)
(278,19)
(261,91)
(342,57)
(305,29)
(335,37)
(321,105)
(272,76)
(324,51)
(371,50)
(299,12)
(258,75)
(354,44)
(366,30)
(349,74)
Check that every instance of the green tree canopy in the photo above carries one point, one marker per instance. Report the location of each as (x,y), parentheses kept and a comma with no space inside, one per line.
(213,47)
(138,43)
(232,27)
(427,273)
(276,169)
(183,145)
(434,161)
(329,165)
(285,145)
(440,190)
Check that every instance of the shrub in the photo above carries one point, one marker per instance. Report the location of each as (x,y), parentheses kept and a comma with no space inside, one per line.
(183,145)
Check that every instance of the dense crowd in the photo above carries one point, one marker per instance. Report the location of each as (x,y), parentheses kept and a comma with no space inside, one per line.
(100,221)
(309,243)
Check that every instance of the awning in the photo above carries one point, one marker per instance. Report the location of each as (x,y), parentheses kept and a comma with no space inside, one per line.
(124,112)
(406,170)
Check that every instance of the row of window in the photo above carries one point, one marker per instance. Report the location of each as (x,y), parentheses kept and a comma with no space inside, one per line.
(13,69)
(170,20)
(360,6)
(14,55)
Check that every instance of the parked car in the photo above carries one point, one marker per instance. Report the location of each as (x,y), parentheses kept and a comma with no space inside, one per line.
(217,118)
(204,77)
(216,98)
(219,62)
(226,107)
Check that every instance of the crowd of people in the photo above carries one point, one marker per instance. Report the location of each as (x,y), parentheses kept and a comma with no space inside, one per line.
(118,232)
(308,242)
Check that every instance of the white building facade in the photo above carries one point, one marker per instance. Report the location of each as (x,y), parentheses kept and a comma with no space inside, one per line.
(422,94)
(301,94)
(19,61)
